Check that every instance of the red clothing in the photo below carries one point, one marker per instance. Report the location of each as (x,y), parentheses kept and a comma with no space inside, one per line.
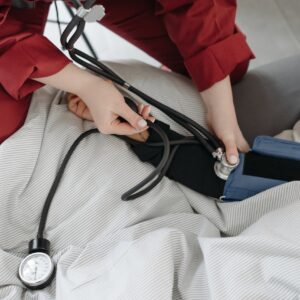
(24,53)
(195,37)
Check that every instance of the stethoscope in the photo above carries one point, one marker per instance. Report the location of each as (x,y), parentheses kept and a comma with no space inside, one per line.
(37,269)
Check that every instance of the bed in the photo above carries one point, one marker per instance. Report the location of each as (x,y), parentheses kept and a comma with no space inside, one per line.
(172,243)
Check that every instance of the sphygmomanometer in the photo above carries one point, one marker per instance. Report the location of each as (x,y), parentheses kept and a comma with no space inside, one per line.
(270,162)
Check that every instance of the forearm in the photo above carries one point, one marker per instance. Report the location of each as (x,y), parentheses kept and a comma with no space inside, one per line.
(222,120)
(71,79)
(219,98)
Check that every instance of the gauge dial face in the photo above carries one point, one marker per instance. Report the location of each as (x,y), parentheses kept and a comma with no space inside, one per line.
(36,269)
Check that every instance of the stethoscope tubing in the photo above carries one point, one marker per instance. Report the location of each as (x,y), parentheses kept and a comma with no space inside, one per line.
(106,72)
(202,135)
(131,194)
(58,177)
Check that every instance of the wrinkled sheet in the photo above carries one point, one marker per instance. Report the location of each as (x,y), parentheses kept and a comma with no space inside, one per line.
(172,243)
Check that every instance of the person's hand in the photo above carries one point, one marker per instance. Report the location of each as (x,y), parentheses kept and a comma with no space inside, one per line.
(104,101)
(145,111)
(221,118)
(77,106)
(105,105)
(222,121)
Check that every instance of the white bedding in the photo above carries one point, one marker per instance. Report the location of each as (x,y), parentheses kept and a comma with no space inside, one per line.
(165,245)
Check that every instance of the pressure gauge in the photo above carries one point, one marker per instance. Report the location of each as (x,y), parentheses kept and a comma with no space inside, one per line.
(36,270)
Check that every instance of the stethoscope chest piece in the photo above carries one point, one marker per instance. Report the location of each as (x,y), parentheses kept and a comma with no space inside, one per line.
(223,168)
(37,269)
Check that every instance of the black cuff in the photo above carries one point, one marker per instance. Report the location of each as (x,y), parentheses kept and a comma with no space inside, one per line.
(192,165)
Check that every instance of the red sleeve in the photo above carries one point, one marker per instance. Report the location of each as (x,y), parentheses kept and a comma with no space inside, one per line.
(206,36)
(24,52)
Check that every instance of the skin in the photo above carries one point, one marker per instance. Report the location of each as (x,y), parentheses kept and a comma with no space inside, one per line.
(222,120)
(104,104)
(79,108)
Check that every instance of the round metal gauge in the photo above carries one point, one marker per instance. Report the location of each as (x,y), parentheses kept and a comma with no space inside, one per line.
(36,270)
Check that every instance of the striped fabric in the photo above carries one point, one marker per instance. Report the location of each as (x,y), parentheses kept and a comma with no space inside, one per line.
(170,244)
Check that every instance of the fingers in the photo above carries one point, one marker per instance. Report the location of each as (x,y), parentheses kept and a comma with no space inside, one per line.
(123,128)
(112,125)
(73,103)
(140,108)
(244,146)
(134,119)
(79,108)
(242,143)
(138,121)
(146,114)
(145,110)
(231,150)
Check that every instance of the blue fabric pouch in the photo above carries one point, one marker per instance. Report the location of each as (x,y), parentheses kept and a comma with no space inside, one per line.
(240,186)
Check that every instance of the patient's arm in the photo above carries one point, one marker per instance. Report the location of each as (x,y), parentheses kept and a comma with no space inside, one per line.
(192,165)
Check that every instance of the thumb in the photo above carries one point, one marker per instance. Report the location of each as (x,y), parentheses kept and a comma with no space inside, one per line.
(134,119)
(232,154)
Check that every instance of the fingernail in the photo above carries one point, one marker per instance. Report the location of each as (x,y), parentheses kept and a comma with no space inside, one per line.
(233,159)
(142,123)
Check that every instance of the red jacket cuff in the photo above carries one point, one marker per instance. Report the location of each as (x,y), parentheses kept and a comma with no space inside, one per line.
(217,61)
(32,57)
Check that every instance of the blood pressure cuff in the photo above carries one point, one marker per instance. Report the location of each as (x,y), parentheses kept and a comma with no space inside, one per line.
(271,162)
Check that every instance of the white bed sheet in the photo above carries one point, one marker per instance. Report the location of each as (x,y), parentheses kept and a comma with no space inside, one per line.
(170,244)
